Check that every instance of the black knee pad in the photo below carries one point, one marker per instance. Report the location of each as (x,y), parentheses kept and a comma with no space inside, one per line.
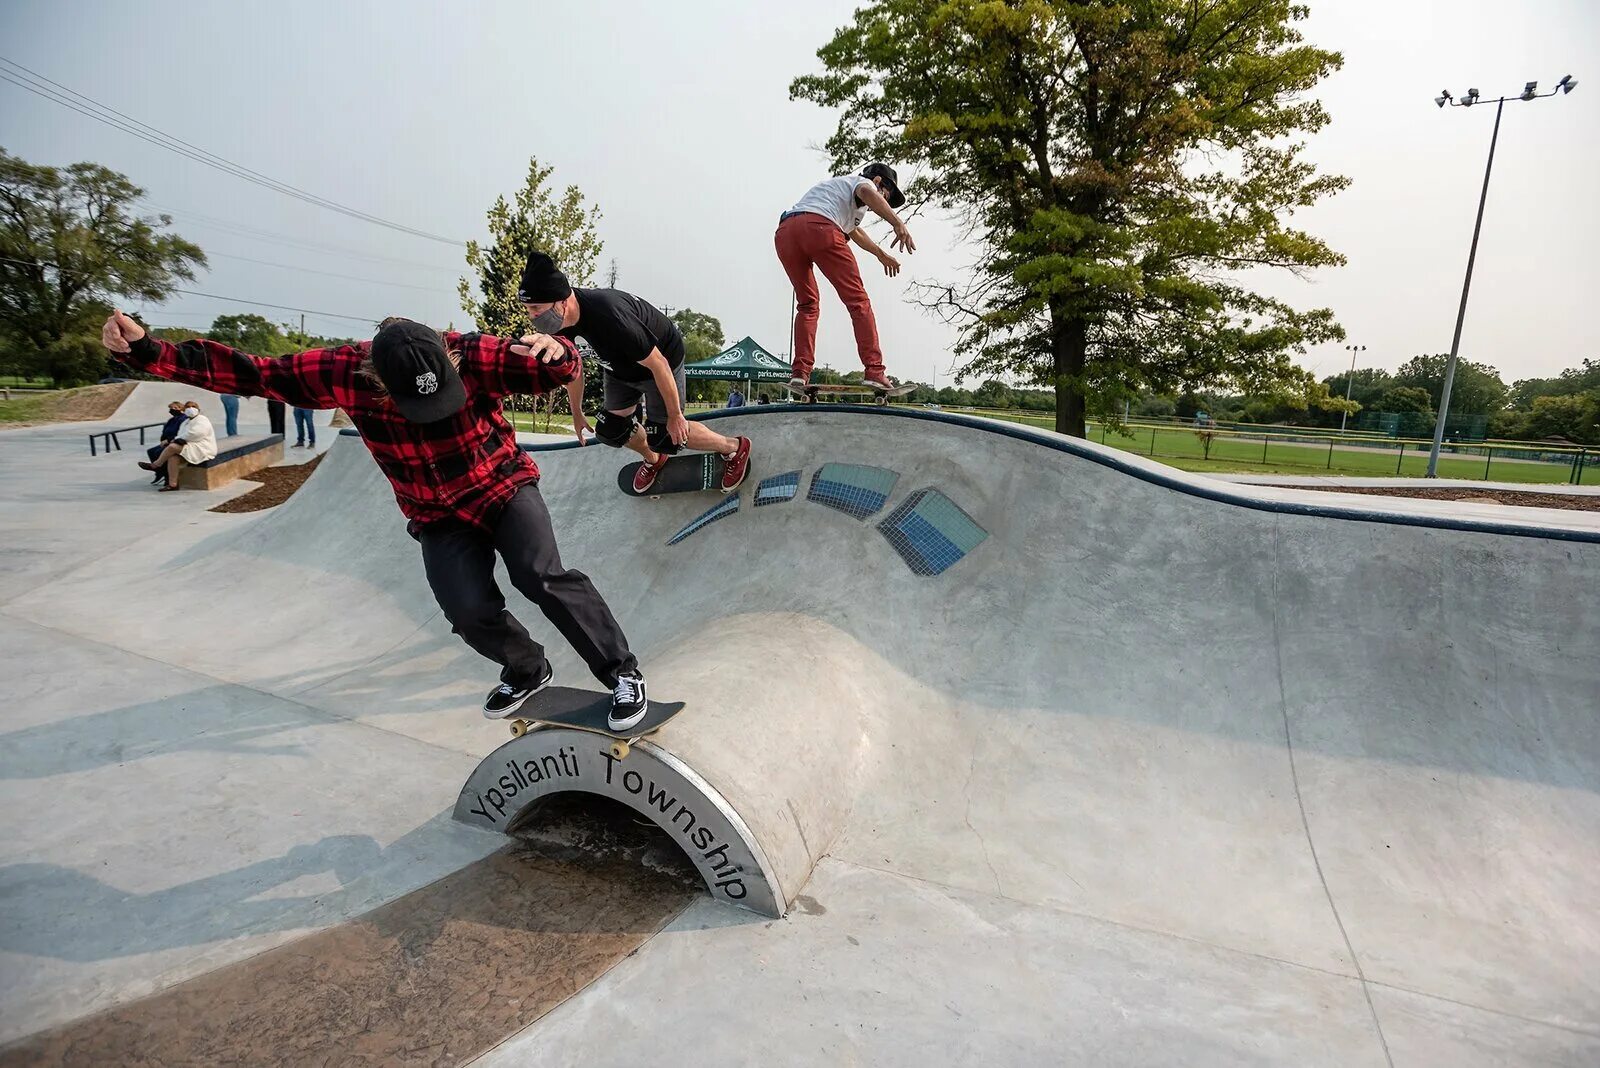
(659,440)
(613,430)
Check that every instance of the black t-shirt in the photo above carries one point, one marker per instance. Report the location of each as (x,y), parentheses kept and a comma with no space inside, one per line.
(622,329)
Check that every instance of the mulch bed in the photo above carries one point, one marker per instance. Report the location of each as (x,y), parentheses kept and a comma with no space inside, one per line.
(1519,498)
(277,485)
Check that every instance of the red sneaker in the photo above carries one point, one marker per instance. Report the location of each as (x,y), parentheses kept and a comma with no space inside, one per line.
(877,380)
(646,476)
(736,467)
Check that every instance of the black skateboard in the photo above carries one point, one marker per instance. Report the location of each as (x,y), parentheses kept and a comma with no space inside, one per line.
(688,472)
(808,394)
(586,710)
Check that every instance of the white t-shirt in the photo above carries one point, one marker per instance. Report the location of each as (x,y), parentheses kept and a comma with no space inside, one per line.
(201,439)
(835,199)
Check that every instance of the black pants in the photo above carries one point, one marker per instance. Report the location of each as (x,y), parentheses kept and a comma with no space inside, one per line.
(275,416)
(459,560)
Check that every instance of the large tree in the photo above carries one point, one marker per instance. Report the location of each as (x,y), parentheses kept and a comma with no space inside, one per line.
(1476,390)
(71,245)
(1125,166)
(541,219)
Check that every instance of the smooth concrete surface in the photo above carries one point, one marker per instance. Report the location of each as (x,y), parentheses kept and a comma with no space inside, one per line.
(1165,771)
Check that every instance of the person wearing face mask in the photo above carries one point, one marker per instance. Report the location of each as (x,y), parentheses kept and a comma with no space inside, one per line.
(175,421)
(196,443)
(428,407)
(817,232)
(641,352)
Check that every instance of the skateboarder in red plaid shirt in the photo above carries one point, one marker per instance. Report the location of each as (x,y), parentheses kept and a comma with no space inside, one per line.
(428,409)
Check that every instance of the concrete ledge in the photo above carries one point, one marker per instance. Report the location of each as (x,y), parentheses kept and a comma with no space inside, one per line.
(505,790)
(232,463)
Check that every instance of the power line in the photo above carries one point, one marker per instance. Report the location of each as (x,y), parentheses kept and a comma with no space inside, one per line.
(238,229)
(40,86)
(200,293)
(326,274)
(285,307)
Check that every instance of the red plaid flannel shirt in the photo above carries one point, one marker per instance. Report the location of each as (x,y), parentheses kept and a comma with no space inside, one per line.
(465,467)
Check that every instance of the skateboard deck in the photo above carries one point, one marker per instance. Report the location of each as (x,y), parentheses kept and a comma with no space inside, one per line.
(688,472)
(808,394)
(586,710)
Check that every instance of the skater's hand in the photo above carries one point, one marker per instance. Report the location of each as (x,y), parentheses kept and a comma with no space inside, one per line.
(902,239)
(678,429)
(580,427)
(891,266)
(119,333)
(545,347)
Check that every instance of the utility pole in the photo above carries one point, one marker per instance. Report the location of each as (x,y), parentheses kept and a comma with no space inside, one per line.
(1529,92)
(1350,382)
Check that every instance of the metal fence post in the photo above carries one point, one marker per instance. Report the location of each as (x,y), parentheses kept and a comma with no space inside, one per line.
(1263,448)
(1487,460)
(1401,460)
(1330,454)
(1152,441)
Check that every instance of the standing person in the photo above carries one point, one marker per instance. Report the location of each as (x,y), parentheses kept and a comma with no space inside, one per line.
(175,419)
(195,444)
(305,429)
(642,353)
(230,413)
(428,406)
(735,398)
(275,416)
(814,233)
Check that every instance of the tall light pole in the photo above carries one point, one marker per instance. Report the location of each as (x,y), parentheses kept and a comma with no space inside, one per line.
(1529,92)
(1350,382)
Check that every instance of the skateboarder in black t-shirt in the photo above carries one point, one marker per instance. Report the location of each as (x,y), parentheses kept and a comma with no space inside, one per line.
(642,353)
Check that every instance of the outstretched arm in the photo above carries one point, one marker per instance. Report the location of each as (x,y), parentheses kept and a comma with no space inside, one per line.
(891,266)
(537,363)
(315,379)
(868,194)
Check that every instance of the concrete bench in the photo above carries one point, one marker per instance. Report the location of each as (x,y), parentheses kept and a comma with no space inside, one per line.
(235,458)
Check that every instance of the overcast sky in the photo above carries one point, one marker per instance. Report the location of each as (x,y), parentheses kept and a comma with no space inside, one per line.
(675,119)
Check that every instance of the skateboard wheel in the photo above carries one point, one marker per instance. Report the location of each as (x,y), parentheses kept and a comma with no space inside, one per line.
(519,727)
(619,750)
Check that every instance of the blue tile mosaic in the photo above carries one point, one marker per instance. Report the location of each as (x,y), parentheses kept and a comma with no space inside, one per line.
(931,532)
(722,509)
(778,488)
(853,489)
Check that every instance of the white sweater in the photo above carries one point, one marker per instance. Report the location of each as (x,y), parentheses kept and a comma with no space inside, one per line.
(200,440)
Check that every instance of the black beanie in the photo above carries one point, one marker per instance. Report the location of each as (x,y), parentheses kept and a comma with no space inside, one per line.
(541,282)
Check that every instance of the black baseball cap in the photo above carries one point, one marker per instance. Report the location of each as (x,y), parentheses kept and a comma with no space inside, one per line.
(410,359)
(891,181)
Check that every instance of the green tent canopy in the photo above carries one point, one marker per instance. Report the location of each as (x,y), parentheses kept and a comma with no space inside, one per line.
(744,361)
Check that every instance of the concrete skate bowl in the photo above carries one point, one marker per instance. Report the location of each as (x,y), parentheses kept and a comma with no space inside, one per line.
(997,660)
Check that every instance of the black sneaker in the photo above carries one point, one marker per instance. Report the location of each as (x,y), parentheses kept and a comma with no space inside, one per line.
(504,698)
(628,702)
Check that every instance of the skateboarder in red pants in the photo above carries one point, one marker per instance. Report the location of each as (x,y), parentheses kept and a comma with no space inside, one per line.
(428,408)
(814,233)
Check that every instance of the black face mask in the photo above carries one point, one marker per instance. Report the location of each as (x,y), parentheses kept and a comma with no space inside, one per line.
(549,320)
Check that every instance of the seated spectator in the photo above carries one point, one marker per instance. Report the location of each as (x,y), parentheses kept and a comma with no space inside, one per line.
(762,398)
(196,443)
(175,420)
(735,398)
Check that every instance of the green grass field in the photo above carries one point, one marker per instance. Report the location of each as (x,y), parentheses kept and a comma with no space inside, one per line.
(25,408)
(1183,449)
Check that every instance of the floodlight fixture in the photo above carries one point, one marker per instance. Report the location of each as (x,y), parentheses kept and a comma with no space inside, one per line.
(1530,91)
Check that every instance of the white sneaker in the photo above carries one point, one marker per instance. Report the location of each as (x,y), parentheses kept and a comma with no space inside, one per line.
(629,702)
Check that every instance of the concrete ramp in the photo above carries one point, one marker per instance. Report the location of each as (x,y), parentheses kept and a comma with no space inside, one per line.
(1241,774)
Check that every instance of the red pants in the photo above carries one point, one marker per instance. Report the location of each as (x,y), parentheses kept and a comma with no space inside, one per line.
(808,240)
